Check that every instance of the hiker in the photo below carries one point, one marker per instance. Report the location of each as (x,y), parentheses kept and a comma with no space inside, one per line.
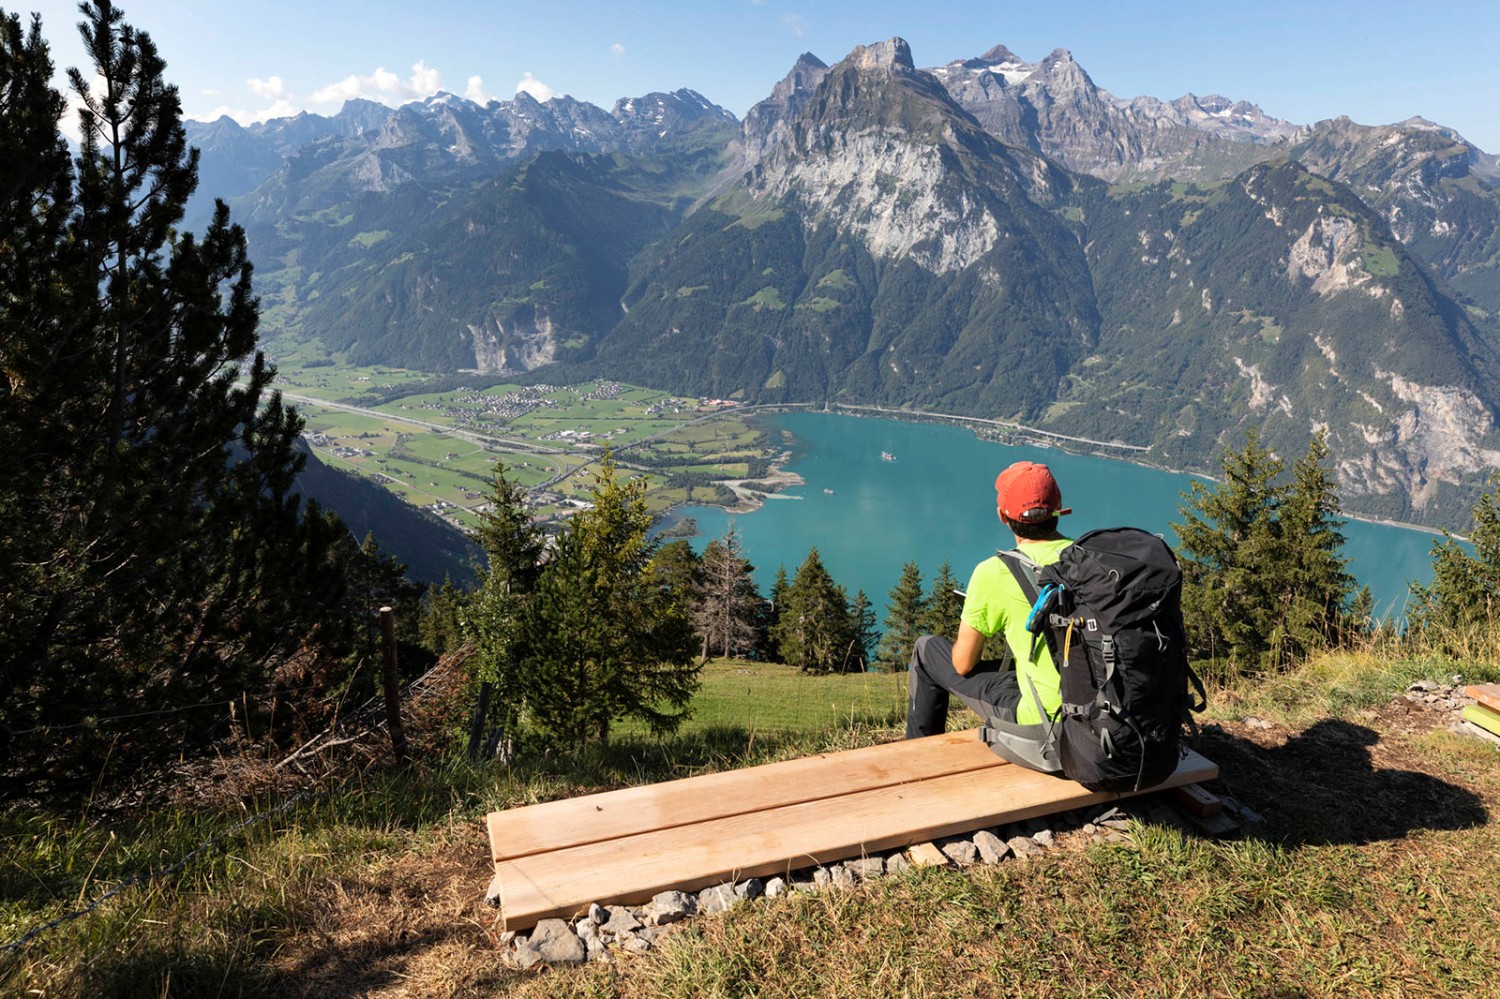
(1028,502)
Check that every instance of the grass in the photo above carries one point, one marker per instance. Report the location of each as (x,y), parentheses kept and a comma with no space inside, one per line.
(1371,876)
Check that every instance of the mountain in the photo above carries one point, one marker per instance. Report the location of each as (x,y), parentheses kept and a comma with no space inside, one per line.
(886,248)
(990,237)
(1054,107)
(454,236)
(1434,188)
(431,549)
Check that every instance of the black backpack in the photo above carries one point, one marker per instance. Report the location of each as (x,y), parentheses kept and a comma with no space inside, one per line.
(1110,612)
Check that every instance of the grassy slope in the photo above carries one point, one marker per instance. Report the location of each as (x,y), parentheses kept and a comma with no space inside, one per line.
(1370,878)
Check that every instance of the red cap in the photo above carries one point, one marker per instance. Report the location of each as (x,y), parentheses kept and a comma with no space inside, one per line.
(1026,492)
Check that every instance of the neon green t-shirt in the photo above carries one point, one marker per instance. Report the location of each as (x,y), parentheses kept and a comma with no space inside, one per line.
(995,603)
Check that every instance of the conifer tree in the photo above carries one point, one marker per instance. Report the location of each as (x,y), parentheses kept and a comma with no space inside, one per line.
(813,632)
(1263,578)
(904,617)
(601,640)
(770,647)
(728,602)
(942,607)
(157,553)
(1457,611)
(863,633)
(513,547)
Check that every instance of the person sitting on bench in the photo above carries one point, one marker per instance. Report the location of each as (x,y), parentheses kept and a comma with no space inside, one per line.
(1028,502)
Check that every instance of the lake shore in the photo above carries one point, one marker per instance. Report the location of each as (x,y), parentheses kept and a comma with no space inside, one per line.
(1114,451)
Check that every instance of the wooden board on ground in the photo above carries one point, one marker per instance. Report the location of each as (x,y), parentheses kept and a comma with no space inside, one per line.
(556,825)
(1487,694)
(685,839)
(1483,717)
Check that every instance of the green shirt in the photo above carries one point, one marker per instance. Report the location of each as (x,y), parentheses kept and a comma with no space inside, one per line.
(995,603)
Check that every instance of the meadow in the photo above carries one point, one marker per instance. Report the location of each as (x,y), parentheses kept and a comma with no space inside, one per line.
(1370,876)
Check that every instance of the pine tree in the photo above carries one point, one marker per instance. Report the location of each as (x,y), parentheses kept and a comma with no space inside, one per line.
(162,556)
(905,613)
(863,632)
(1456,612)
(770,644)
(943,605)
(1263,578)
(813,632)
(728,602)
(1318,588)
(602,641)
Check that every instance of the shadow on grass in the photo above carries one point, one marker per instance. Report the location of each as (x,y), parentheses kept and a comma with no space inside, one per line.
(1321,787)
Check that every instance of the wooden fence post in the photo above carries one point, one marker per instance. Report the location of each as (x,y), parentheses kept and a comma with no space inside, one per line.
(392,684)
(476,724)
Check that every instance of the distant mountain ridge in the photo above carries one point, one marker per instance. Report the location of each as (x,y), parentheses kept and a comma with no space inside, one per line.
(989,237)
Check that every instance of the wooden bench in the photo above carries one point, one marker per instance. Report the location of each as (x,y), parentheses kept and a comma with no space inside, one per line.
(625,846)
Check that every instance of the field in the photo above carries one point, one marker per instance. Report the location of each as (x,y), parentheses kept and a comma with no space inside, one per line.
(770,698)
(437,449)
(1370,877)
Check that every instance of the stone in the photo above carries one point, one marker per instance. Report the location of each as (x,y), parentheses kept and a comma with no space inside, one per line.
(1022,846)
(961,851)
(587,930)
(896,863)
(525,955)
(992,849)
(1424,685)
(597,949)
(670,906)
(1042,837)
(621,920)
(635,945)
(865,867)
(556,942)
(597,914)
(1089,829)
(776,887)
(716,899)
(821,877)
(926,855)
(841,876)
(749,890)
(505,937)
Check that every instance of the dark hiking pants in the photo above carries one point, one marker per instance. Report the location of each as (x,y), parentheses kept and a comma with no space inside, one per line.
(990,690)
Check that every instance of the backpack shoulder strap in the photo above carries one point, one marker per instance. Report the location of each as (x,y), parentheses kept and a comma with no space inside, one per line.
(1025,571)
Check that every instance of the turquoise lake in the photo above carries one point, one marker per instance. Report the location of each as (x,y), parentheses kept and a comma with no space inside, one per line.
(936,501)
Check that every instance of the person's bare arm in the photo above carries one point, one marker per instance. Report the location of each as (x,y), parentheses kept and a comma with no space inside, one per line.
(967,649)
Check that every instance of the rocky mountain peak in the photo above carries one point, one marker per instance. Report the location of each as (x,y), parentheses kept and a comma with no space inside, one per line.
(997,56)
(891,54)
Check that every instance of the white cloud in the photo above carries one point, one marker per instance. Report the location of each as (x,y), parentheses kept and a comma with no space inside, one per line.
(382,85)
(272,88)
(793,23)
(474,91)
(211,92)
(617,49)
(536,88)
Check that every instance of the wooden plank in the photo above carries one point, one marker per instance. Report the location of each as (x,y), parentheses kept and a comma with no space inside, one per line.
(593,818)
(1483,717)
(1198,800)
(632,869)
(1487,694)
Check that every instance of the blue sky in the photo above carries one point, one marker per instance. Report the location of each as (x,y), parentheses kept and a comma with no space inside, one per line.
(1376,61)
